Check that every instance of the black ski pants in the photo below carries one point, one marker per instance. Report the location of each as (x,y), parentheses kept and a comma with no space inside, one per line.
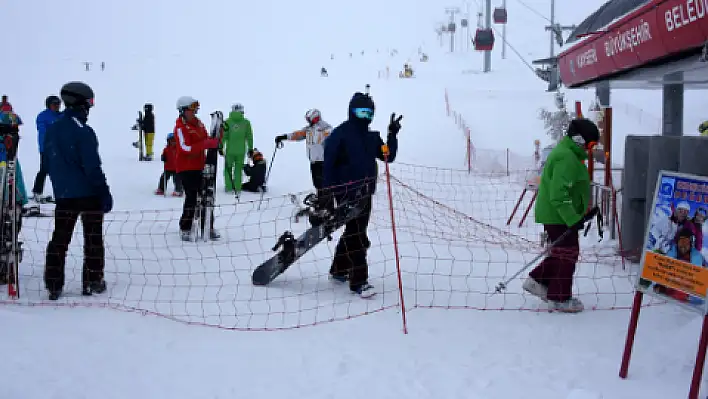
(66,214)
(317,171)
(165,177)
(38,187)
(350,254)
(192,181)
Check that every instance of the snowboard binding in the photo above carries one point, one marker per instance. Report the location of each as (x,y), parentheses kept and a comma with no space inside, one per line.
(287,241)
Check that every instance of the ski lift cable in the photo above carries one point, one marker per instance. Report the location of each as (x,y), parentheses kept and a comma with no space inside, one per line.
(533,10)
(528,64)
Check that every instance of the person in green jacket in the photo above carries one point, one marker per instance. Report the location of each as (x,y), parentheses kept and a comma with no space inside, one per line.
(561,204)
(236,143)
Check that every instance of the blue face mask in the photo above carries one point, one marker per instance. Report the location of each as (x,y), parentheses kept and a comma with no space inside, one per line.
(364,113)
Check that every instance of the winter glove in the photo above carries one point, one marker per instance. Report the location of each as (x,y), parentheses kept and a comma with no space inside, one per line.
(588,216)
(395,125)
(106,200)
(279,139)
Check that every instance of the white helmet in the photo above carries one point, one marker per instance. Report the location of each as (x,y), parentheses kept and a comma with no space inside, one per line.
(186,102)
(313,116)
(238,107)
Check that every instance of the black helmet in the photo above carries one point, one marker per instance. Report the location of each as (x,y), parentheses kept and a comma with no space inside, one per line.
(52,100)
(77,95)
(583,131)
(148,107)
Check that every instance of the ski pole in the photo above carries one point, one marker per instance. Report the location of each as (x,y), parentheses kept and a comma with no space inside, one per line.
(502,285)
(270,167)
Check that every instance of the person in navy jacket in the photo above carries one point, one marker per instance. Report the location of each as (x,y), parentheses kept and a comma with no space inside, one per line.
(350,173)
(44,119)
(80,188)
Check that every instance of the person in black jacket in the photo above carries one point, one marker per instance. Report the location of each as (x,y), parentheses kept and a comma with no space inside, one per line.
(257,172)
(149,129)
(350,173)
(80,188)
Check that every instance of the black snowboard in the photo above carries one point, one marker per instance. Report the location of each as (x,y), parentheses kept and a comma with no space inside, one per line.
(294,248)
(141,137)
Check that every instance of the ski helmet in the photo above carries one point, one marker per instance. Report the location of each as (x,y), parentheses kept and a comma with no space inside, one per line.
(148,107)
(170,136)
(313,116)
(187,102)
(77,95)
(238,107)
(52,100)
(584,132)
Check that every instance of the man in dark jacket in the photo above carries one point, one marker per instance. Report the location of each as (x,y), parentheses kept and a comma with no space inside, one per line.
(350,173)
(80,188)
(149,129)
(44,119)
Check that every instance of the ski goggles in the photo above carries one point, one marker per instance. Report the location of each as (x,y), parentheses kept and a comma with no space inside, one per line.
(364,113)
(192,107)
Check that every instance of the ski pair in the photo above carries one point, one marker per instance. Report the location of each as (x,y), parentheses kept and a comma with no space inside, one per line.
(206,200)
(10,219)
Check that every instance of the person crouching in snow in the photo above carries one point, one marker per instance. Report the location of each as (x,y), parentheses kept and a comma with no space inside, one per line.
(257,172)
(169,158)
(561,204)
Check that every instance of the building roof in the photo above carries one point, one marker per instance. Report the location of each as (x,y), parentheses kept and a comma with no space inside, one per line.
(609,12)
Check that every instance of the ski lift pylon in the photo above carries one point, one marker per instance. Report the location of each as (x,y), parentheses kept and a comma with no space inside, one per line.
(484,40)
(500,15)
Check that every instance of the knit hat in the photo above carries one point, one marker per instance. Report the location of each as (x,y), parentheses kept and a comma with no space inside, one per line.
(583,131)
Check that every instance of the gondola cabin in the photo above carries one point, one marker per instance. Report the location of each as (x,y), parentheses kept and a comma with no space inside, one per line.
(484,40)
(463,23)
(500,15)
(451,27)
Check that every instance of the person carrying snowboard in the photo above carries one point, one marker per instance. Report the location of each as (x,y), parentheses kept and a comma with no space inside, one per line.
(237,142)
(314,134)
(192,142)
(561,205)
(257,172)
(350,173)
(169,158)
(149,129)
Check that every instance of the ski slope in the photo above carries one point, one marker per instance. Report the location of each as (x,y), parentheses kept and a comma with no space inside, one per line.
(455,246)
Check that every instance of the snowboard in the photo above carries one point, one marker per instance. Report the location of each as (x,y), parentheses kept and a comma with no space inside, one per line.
(141,136)
(294,248)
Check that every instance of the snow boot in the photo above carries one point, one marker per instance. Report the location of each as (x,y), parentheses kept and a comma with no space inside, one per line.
(572,305)
(96,287)
(365,290)
(185,235)
(214,235)
(536,289)
(54,295)
(177,194)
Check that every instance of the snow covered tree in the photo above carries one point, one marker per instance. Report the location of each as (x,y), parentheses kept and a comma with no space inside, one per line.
(556,122)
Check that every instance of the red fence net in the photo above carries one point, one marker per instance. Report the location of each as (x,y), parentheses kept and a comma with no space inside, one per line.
(454,248)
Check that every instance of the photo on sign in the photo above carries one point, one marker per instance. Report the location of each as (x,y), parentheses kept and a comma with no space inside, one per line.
(674,262)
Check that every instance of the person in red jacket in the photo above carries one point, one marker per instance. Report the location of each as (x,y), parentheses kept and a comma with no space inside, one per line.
(169,158)
(5,106)
(192,142)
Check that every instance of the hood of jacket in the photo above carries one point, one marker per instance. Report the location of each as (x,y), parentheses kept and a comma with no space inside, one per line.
(570,145)
(236,116)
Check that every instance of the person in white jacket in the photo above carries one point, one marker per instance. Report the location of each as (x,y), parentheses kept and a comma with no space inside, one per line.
(314,134)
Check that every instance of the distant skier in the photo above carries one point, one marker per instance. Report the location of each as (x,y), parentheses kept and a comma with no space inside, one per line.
(350,173)
(192,142)
(237,142)
(323,72)
(5,105)
(561,205)
(315,135)
(80,188)
(169,159)
(256,172)
(44,119)
(149,129)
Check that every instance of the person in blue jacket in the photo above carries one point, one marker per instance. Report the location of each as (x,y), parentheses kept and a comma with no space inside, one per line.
(80,189)
(44,119)
(350,173)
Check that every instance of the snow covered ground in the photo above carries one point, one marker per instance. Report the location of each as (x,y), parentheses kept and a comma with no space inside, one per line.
(454,242)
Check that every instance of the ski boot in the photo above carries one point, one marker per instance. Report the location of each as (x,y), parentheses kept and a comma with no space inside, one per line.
(159,192)
(177,194)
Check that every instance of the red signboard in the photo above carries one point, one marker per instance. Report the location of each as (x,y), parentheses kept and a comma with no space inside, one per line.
(659,29)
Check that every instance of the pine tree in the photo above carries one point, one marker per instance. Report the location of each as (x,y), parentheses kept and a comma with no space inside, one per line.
(556,122)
